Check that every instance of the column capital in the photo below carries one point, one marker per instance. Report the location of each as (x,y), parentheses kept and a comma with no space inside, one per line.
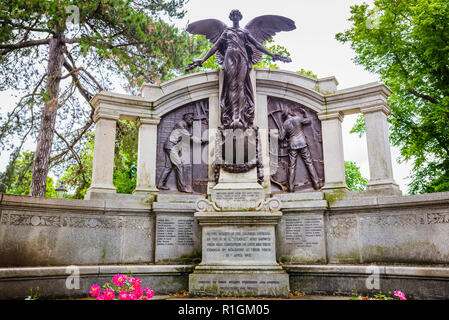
(331,116)
(380,108)
(105,115)
(149,121)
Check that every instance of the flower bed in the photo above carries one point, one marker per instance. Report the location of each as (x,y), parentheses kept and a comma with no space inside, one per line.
(122,288)
(398,295)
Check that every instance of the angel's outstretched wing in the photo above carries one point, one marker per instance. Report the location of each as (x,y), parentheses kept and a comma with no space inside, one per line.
(264,28)
(212,29)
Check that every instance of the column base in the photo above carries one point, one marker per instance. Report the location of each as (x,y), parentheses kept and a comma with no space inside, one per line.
(146,191)
(100,193)
(384,187)
(330,186)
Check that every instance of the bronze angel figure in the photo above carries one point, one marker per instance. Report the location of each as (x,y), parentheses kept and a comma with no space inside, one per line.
(238,50)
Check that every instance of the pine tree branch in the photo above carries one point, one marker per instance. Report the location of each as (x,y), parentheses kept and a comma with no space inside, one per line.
(70,148)
(6,48)
(76,140)
(86,94)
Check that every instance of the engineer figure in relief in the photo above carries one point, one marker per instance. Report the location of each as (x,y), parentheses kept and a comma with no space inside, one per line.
(173,154)
(292,129)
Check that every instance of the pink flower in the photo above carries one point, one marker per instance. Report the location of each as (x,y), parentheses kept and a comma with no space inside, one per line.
(123,295)
(108,294)
(132,296)
(138,292)
(400,295)
(119,279)
(100,298)
(136,282)
(149,293)
(95,290)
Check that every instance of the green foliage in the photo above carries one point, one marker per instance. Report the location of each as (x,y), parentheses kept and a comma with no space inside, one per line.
(17,177)
(34,296)
(354,179)
(376,297)
(359,126)
(307,73)
(407,44)
(116,44)
(267,62)
(78,178)
(125,161)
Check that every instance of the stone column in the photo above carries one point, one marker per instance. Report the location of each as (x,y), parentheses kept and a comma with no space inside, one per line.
(146,156)
(379,154)
(103,163)
(334,162)
(214,122)
(262,123)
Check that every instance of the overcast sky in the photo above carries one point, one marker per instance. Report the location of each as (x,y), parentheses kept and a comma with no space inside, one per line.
(312,46)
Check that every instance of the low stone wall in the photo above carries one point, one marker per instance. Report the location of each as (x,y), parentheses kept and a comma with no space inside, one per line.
(316,229)
(52,232)
(15,283)
(400,229)
(424,283)
(362,227)
(356,229)
(417,282)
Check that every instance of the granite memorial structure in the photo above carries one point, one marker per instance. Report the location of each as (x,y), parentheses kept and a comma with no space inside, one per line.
(240,191)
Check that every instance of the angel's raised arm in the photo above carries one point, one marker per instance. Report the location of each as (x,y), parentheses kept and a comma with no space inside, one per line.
(212,51)
(258,45)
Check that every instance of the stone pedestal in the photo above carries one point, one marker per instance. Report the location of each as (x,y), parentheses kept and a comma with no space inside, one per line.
(239,256)
(237,191)
(238,241)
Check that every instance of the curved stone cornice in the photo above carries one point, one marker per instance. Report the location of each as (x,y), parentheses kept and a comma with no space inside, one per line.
(173,94)
(320,95)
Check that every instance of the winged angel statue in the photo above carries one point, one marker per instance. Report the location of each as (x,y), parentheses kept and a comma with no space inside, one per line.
(238,50)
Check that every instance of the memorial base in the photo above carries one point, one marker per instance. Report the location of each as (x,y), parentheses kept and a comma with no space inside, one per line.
(239,256)
(239,281)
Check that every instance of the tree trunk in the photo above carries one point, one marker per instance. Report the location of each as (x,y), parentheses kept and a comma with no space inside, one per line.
(47,125)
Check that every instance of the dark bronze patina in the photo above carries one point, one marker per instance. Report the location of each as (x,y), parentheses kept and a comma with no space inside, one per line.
(176,145)
(238,49)
(173,154)
(292,129)
(299,153)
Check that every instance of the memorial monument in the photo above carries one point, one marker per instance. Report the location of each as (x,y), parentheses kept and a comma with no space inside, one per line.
(240,191)
(238,224)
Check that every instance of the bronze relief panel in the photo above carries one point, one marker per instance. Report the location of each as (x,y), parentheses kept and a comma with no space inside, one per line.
(182,149)
(296,149)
